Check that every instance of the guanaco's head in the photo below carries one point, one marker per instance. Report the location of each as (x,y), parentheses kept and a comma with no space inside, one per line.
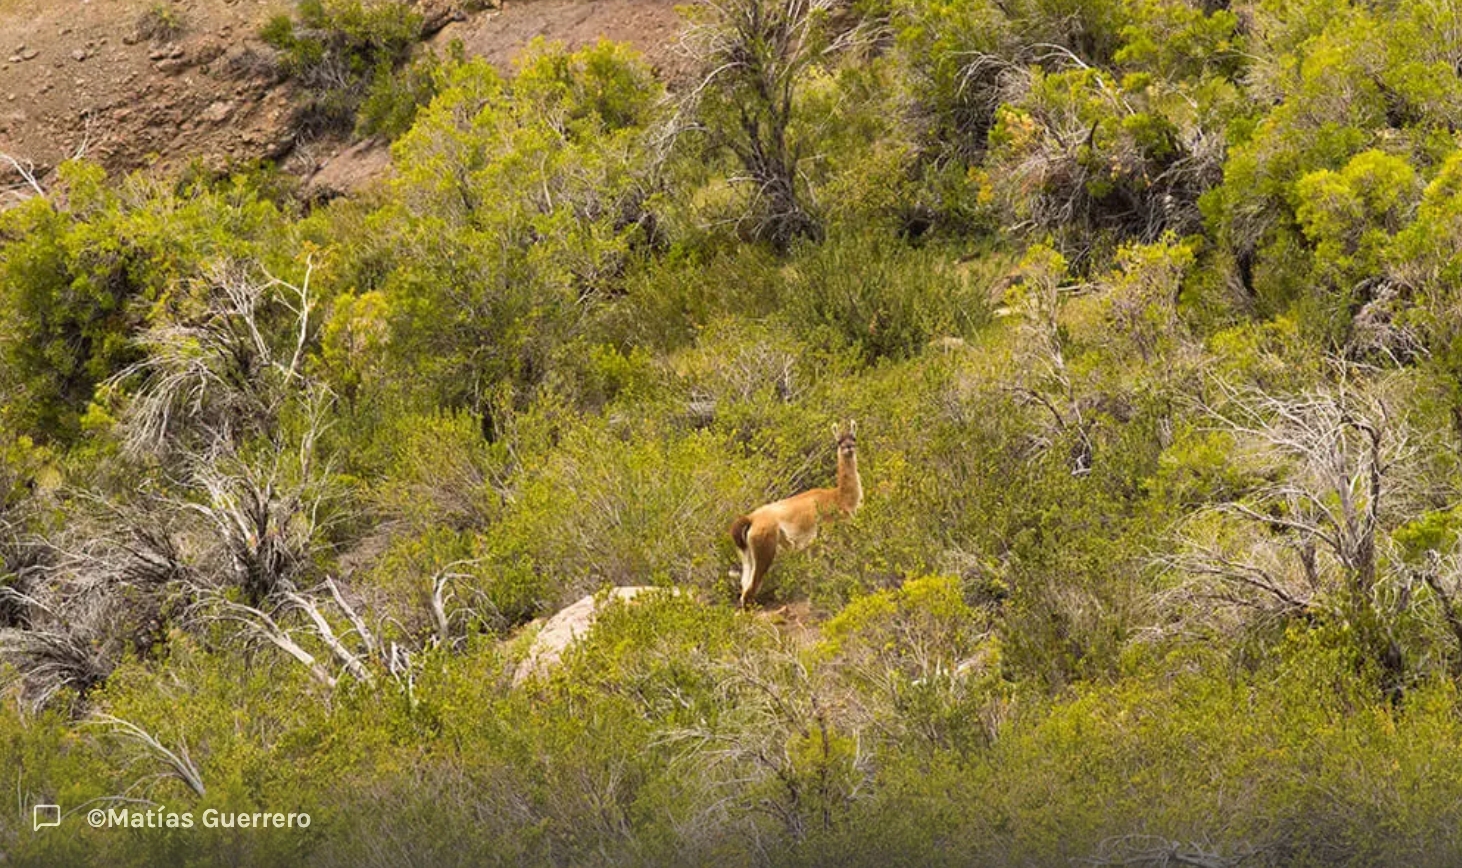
(847,439)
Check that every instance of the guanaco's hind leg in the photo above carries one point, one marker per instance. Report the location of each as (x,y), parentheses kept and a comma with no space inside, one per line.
(748,571)
(761,547)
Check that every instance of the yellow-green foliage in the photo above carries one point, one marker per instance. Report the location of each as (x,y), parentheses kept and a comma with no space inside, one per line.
(336,48)
(81,272)
(1147,312)
(611,508)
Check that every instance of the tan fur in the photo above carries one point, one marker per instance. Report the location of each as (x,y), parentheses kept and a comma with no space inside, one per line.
(792,524)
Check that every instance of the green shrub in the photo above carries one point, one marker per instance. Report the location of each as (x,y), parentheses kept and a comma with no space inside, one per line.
(927,657)
(543,360)
(161,21)
(496,261)
(395,96)
(621,506)
(336,49)
(77,277)
(884,299)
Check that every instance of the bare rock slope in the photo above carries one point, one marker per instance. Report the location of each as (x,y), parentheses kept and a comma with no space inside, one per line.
(156,84)
(567,626)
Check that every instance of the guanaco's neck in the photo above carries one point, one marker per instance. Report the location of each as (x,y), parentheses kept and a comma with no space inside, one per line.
(850,487)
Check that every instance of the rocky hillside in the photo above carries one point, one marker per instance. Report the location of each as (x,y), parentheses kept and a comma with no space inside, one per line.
(156,84)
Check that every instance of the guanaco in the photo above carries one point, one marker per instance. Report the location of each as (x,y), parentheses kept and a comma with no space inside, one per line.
(792,523)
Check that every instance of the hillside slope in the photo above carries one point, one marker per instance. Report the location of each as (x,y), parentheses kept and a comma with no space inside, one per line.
(159,83)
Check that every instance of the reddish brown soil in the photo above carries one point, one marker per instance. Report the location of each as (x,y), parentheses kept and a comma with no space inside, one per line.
(500,35)
(79,77)
(76,78)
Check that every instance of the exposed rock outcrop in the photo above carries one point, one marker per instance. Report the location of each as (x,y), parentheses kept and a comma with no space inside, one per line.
(570,624)
(90,79)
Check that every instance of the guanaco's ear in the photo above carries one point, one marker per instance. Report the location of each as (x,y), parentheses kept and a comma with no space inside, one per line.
(853,427)
(837,431)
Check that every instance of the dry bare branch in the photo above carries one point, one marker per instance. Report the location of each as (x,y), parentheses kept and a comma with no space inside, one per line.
(26,173)
(218,372)
(326,634)
(1152,851)
(1335,464)
(752,54)
(758,754)
(179,764)
(259,624)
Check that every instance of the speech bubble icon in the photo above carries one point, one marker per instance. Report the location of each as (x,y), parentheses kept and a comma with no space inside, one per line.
(47,815)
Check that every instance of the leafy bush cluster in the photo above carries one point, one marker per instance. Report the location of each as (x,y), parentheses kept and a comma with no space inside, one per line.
(343,53)
(1148,312)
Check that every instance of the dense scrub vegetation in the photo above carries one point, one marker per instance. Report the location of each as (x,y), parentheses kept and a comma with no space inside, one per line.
(1150,314)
